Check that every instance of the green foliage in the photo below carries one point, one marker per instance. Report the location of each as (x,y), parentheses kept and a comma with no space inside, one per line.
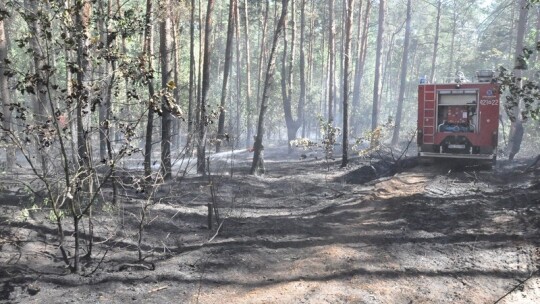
(54,217)
(24,214)
(372,141)
(330,135)
(520,89)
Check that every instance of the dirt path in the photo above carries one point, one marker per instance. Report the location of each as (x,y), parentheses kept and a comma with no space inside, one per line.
(302,235)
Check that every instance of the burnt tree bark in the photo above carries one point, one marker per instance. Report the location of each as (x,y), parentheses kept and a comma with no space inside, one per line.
(436,42)
(378,64)
(516,127)
(331,64)
(249,106)
(204,119)
(403,75)
(4,93)
(165,47)
(258,147)
(192,80)
(262,54)
(148,54)
(346,63)
(363,26)
(286,83)
(226,71)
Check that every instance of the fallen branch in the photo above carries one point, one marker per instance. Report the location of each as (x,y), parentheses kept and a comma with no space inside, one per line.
(158,289)
(520,285)
(147,266)
(217,232)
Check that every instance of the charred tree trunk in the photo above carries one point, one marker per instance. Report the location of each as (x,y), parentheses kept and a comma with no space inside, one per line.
(105,107)
(167,83)
(258,157)
(346,62)
(82,19)
(249,106)
(204,119)
(192,80)
(331,64)
(226,70)
(262,55)
(175,141)
(403,76)
(516,127)
(302,98)
(39,99)
(436,42)
(5,135)
(286,82)
(152,103)
(238,77)
(360,63)
(378,64)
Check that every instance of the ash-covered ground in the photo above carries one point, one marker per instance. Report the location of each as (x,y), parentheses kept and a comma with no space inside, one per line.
(307,231)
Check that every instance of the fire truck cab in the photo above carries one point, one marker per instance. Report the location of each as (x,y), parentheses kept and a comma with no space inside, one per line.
(459,120)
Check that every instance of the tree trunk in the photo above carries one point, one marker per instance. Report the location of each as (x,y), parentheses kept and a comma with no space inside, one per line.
(360,63)
(204,119)
(403,75)
(249,106)
(302,98)
(82,19)
(192,80)
(436,42)
(286,82)
(148,54)
(516,127)
(262,54)
(378,59)
(258,157)
(453,38)
(226,70)
(238,78)
(165,47)
(4,94)
(107,83)
(175,141)
(39,98)
(346,62)
(331,64)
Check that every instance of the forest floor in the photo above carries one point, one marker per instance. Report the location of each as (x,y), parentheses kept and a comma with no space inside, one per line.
(305,232)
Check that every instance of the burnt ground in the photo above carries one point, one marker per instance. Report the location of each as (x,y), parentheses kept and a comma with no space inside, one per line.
(305,232)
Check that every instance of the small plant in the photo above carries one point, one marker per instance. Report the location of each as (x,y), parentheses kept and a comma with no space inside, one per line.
(25,212)
(330,134)
(55,217)
(373,141)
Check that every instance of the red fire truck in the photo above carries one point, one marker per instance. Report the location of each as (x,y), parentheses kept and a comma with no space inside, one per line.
(459,120)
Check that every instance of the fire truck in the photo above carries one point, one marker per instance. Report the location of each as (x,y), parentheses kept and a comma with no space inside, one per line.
(459,120)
